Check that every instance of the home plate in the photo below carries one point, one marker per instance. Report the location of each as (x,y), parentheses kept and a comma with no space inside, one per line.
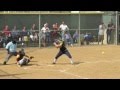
(25,68)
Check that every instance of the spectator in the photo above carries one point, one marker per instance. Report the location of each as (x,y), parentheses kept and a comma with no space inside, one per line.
(45,34)
(24,36)
(15,33)
(6,31)
(33,35)
(109,32)
(75,36)
(68,38)
(7,35)
(1,42)
(63,27)
(33,28)
(88,38)
(102,28)
(55,33)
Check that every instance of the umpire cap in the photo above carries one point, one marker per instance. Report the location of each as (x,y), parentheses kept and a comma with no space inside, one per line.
(14,41)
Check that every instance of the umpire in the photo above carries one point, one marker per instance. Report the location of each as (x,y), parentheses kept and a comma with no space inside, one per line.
(11,49)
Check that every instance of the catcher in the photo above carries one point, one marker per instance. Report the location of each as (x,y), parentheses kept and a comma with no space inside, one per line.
(63,50)
(22,58)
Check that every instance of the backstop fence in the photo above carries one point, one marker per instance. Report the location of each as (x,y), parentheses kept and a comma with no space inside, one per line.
(27,28)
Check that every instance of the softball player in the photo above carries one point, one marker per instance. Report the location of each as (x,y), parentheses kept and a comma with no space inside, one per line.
(63,50)
(22,58)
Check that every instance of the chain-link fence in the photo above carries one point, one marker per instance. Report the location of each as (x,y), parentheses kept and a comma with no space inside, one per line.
(36,38)
(27,28)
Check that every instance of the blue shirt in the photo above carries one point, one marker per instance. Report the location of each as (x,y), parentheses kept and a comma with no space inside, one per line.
(12,47)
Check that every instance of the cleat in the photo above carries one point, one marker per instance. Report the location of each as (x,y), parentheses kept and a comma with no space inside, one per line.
(4,63)
(53,63)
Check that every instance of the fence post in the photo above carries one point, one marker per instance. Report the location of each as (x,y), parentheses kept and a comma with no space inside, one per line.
(116,27)
(39,30)
(79,29)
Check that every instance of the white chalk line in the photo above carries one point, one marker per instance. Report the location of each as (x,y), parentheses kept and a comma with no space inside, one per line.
(29,68)
(61,71)
(78,76)
(94,62)
(104,61)
(44,65)
(65,70)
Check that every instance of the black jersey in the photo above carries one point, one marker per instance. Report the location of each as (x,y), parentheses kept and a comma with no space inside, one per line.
(21,56)
(63,47)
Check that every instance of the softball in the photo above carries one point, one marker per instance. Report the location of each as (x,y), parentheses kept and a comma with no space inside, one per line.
(103,52)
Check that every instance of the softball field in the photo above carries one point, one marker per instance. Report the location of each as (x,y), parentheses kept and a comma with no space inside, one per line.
(91,62)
